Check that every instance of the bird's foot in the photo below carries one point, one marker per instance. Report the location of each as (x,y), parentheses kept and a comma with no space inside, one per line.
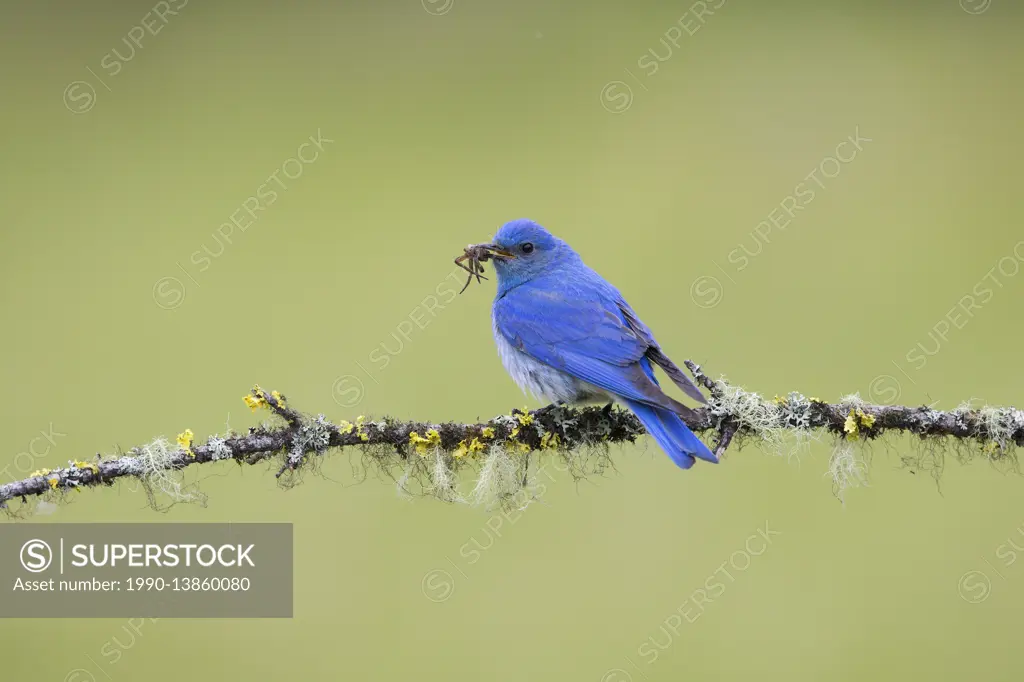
(553,407)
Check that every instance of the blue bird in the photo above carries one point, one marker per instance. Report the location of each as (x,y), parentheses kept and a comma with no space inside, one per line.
(566,335)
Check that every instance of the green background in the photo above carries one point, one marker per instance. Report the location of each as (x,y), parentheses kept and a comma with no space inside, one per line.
(445,125)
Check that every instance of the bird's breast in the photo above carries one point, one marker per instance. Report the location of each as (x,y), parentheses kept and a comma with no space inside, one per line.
(543,381)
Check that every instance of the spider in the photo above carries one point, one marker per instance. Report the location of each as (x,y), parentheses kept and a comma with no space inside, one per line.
(477,255)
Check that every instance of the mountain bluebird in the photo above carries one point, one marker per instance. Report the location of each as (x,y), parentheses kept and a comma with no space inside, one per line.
(566,335)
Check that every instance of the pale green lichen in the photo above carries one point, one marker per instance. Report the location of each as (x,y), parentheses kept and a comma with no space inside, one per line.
(433,475)
(772,423)
(852,400)
(151,463)
(998,424)
(498,480)
(754,415)
(314,434)
(795,411)
(443,479)
(402,484)
(847,469)
(218,448)
(501,472)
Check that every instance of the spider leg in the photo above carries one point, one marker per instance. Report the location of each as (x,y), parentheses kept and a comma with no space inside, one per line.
(459,261)
(475,267)
(477,270)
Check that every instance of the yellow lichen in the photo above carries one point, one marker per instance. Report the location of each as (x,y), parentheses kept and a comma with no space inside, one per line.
(256,399)
(550,440)
(39,472)
(471,448)
(424,444)
(53,482)
(524,417)
(347,427)
(778,400)
(488,432)
(278,397)
(850,426)
(185,439)
(87,465)
(855,420)
(418,442)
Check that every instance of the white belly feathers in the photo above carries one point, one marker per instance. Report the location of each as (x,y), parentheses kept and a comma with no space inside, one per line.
(543,381)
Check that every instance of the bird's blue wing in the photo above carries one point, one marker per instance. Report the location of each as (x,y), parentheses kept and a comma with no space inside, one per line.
(655,353)
(582,333)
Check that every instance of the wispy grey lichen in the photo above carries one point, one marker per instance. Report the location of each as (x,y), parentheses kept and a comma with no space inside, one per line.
(492,460)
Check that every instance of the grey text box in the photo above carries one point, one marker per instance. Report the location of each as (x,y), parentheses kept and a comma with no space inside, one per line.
(146,570)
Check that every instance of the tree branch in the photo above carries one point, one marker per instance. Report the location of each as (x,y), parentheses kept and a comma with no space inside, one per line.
(734,414)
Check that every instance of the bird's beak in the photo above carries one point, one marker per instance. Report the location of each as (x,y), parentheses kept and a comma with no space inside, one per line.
(494,250)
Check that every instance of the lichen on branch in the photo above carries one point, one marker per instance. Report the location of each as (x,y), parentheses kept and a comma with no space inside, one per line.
(500,451)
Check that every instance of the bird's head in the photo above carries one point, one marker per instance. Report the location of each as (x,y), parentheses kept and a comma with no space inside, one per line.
(523,250)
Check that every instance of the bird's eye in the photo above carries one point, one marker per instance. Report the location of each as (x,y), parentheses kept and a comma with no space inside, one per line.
(526,247)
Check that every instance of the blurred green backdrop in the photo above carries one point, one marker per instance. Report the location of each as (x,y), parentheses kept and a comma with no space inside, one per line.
(447,119)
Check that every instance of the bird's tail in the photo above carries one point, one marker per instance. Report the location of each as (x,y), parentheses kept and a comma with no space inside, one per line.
(674,437)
